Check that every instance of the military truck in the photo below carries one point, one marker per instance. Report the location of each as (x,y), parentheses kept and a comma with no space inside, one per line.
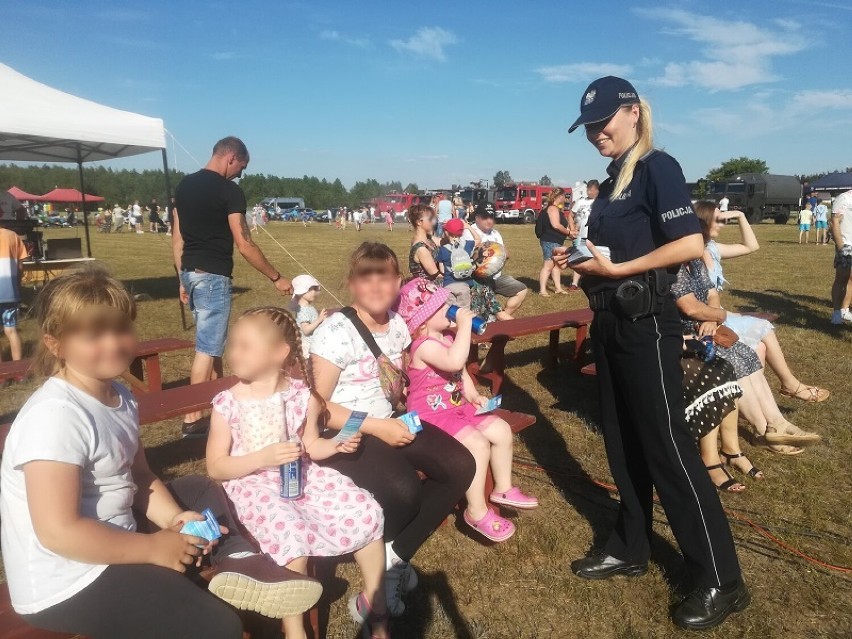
(760,196)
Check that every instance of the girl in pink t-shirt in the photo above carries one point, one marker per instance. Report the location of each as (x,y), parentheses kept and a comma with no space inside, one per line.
(443,394)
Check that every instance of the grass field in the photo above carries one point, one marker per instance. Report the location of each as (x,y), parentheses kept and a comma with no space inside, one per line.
(524,589)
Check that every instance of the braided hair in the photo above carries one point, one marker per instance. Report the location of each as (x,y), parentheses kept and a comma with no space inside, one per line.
(292,336)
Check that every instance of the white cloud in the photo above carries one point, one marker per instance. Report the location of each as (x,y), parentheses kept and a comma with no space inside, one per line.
(224,55)
(736,53)
(427,42)
(335,36)
(583,72)
(772,112)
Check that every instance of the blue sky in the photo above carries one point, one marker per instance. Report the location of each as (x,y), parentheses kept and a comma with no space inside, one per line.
(449,92)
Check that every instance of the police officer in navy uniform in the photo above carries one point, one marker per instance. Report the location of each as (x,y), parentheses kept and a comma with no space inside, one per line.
(644,216)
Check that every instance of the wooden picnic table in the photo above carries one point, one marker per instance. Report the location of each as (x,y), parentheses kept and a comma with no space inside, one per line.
(41,271)
(145,365)
(500,333)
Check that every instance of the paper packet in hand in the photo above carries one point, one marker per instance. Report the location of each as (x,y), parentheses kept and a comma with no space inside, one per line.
(207,529)
(492,405)
(412,420)
(351,427)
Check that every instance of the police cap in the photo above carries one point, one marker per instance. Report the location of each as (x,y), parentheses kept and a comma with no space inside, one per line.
(603,98)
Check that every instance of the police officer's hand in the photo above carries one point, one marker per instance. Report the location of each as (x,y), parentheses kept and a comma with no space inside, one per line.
(599,265)
(707,329)
(560,257)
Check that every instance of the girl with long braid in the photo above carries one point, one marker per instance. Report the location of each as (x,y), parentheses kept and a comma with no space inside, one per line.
(272,416)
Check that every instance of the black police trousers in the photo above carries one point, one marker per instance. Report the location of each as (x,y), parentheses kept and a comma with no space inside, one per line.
(649,446)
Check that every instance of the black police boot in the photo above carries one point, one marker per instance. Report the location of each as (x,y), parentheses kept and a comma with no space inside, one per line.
(600,565)
(708,607)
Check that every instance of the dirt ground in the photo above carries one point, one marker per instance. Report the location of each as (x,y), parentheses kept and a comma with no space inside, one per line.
(523,588)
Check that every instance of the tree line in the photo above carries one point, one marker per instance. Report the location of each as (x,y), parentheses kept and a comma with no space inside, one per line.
(123,186)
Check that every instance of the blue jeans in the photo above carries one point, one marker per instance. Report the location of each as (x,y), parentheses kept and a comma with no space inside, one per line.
(547,249)
(210,303)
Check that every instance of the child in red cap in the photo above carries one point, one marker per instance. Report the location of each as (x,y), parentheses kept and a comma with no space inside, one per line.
(466,292)
(443,394)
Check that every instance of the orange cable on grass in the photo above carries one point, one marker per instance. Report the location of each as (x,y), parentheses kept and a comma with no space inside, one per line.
(757,527)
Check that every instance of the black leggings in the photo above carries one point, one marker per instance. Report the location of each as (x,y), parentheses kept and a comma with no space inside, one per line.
(145,601)
(413,508)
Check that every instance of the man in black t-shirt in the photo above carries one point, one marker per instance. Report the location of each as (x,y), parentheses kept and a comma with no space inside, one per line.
(209,218)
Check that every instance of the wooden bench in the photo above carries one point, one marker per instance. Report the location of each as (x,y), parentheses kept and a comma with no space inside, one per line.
(166,404)
(500,333)
(146,364)
(14,627)
(592,370)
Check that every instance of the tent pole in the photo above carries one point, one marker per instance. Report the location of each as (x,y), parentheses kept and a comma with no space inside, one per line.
(83,199)
(169,212)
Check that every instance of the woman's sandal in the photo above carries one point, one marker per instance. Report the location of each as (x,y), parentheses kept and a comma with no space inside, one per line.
(544,294)
(729,486)
(785,450)
(812,394)
(754,472)
(492,526)
(786,433)
(362,614)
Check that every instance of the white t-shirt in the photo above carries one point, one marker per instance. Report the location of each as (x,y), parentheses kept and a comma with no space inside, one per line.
(61,423)
(582,210)
(723,204)
(843,206)
(491,236)
(358,388)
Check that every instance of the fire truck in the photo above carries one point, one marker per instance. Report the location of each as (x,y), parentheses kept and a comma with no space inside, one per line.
(522,202)
(399,203)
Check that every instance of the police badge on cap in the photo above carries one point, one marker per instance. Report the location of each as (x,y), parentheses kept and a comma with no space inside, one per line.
(602,98)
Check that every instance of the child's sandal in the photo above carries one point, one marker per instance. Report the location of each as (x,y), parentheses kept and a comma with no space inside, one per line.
(364,617)
(492,526)
(514,498)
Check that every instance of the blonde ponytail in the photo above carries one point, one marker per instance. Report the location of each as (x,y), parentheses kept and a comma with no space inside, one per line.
(644,145)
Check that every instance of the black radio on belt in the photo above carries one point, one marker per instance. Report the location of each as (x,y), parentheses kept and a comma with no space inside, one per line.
(635,298)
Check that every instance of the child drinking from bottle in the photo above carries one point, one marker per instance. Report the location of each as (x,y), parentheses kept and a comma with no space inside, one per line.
(443,394)
(255,428)
(76,489)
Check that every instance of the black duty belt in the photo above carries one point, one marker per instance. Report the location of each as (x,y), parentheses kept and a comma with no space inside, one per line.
(636,297)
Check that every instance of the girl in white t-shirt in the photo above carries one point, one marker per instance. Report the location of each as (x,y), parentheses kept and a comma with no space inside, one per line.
(347,375)
(74,479)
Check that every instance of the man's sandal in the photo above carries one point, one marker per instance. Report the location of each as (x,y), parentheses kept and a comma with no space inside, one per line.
(729,486)
(812,394)
(754,472)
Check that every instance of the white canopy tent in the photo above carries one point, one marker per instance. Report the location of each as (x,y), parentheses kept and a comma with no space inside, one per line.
(42,124)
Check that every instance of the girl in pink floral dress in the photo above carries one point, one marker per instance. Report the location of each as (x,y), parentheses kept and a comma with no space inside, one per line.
(270,418)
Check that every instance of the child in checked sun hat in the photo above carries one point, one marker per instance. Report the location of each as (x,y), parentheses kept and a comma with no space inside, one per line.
(443,394)
(306,289)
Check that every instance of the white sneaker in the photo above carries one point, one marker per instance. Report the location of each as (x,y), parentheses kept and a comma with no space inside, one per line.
(399,580)
(846,316)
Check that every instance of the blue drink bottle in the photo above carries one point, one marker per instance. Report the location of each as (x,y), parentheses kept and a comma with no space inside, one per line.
(478,326)
(291,478)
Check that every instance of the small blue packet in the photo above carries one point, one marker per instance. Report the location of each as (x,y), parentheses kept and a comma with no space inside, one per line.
(492,405)
(412,420)
(207,529)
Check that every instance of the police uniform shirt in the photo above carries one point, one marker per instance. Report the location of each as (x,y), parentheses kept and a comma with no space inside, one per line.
(653,210)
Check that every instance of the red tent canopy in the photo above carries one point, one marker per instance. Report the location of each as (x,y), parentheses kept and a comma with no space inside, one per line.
(18,194)
(69,195)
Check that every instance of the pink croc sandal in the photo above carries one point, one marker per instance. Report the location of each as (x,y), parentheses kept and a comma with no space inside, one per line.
(515,499)
(492,526)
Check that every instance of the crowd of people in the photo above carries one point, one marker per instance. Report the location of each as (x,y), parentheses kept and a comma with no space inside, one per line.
(133,218)
(92,538)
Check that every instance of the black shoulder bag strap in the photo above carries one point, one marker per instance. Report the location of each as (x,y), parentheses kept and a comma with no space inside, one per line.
(350,314)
